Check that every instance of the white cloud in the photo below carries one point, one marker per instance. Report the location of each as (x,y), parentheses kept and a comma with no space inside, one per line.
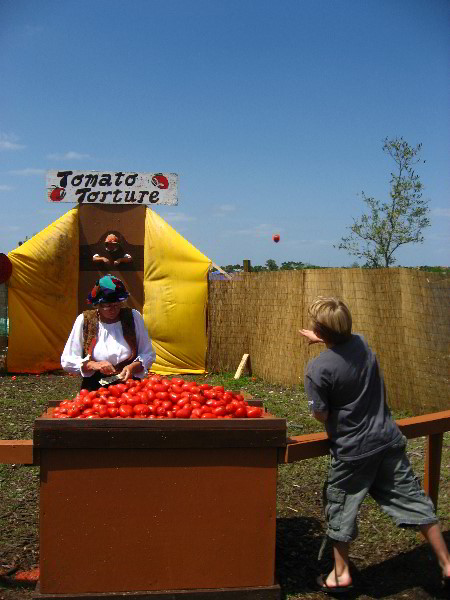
(257,231)
(178,218)
(6,188)
(27,172)
(71,155)
(9,141)
(441,212)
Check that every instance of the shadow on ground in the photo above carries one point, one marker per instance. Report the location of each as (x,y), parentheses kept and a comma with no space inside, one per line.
(413,575)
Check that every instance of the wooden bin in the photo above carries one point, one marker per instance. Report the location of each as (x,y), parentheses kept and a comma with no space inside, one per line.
(159,509)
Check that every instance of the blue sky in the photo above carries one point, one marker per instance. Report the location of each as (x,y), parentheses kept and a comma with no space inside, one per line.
(272,113)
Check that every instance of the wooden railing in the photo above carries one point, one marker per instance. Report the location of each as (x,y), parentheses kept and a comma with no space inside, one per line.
(432,425)
(305,446)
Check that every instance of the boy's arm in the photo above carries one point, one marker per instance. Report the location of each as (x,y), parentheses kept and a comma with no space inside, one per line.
(311,336)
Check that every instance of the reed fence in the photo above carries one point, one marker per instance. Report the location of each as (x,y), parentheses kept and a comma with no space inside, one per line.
(403,314)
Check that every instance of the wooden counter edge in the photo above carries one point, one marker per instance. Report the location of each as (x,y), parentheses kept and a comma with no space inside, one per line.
(17,452)
(312,445)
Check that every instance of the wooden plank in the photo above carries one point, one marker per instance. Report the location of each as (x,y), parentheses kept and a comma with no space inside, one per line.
(272,592)
(430,424)
(268,431)
(227,275)
(16,452)
(241,366)
(316,444)
(433,466)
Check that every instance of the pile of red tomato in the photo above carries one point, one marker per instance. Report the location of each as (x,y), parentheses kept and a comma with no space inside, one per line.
(157,398)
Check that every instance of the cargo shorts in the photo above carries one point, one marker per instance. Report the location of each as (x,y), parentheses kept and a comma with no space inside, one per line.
(388,477)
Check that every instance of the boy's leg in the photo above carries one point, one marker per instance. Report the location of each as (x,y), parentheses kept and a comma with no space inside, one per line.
(398,492)
(432,533)
(346,486)
(340,575)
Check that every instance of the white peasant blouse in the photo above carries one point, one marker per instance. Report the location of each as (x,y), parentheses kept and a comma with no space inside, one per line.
(110,345)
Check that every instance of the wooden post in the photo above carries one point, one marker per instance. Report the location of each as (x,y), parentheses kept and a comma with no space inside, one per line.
(433,466)
(247,266)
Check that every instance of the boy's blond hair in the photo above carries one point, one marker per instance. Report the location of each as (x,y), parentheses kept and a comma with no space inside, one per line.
(331,319)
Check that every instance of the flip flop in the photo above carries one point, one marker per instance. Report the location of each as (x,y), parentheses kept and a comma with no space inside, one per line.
(332,589)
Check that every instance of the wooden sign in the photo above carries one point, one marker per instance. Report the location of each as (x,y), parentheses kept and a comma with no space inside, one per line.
(100,187)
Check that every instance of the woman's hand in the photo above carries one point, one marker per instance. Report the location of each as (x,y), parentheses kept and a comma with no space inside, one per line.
(311,336)
(104,366)
(128,371)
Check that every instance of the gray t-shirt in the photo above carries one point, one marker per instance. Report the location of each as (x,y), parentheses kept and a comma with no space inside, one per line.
(345,380)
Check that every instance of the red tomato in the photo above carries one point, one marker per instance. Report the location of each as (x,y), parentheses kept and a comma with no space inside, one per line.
(141,409)
(183,413)
(84,392)
(167,404)
(133,390)
(102,390)
(177,389)
(112,402)
(204,386)
(160,387)
(151,395)
(96,406)
(209,393)
(103,412)
(133,400)
(88,411)
(177,381)
(160,411)
(240,412)
(121,387)
(174,397)
(170,414)
(125,411)
(208,415)
(219,411)
(143,397)
(218,388)
(183,401)
(162,395)
(92,394)
(195,389)
(155,378)
(113,411)
(227,396)
(254,412)
(196,413)
(230,408)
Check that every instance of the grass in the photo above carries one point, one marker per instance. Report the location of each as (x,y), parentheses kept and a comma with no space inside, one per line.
(387,562)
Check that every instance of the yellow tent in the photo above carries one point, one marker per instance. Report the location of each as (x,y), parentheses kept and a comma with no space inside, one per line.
(43,301)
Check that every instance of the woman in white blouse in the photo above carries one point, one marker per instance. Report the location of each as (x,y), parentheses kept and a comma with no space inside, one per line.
(109,340)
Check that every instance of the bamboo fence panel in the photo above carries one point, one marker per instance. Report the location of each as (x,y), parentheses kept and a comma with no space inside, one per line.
(403,314)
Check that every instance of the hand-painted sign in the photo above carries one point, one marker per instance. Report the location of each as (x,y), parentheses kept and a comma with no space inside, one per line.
(99,187)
